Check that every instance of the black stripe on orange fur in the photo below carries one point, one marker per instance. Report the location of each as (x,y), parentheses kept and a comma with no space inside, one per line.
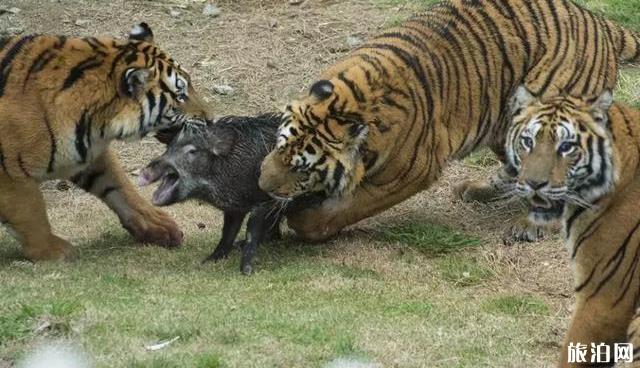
(5,64)
(54,146)
(77,72)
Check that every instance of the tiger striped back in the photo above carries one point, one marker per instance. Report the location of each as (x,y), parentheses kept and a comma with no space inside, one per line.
(391,114)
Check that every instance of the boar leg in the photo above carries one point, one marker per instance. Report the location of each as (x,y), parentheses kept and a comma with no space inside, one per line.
(230,229)
(256,228)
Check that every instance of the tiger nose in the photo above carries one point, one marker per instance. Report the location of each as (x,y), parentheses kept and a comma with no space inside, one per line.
(536,184)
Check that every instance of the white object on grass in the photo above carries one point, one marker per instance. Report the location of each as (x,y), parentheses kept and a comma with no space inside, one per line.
(161,344)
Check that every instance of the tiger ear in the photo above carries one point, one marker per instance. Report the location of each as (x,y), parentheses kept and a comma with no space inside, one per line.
(601,107)
(321,90)
(134,82)
(521,99)
(141,32)
(604,101)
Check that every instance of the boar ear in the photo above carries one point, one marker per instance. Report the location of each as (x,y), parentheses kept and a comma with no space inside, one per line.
(222,141)
(166,135)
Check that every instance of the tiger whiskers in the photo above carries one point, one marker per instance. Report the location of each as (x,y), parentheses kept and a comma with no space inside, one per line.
(575,199)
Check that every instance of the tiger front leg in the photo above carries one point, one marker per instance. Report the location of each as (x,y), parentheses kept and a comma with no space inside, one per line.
(23,211)
(107,180)
(631,357)
(592,322)
(326,220)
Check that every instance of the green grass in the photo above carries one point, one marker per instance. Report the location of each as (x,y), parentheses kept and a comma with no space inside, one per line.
(516,305)
(624,12)
(430,239)
(302,308)
(628,90)
(483,158)
(409,7)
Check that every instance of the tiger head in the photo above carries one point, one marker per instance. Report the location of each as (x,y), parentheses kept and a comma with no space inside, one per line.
(563,152)
(155,85)
(318,146)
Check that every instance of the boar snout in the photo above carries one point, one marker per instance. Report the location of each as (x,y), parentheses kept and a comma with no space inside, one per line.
(151,174)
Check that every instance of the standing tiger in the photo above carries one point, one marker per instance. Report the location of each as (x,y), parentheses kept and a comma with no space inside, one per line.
(381,124)
(62,101)
(578,161)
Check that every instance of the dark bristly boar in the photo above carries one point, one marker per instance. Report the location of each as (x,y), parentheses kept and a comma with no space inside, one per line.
(219,163)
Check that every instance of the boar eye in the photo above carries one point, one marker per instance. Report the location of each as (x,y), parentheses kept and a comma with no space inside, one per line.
(190,150)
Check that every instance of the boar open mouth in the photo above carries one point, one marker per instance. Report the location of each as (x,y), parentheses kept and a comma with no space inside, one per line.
(166,193)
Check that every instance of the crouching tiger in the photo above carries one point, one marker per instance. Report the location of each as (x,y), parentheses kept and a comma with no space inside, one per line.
(578,161)
(62,100)
(381,124)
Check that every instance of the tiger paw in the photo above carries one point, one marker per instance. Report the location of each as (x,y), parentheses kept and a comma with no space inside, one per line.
(153,226)
(476,191)
(57,249)
(460,190)
(522,231)
(311,225)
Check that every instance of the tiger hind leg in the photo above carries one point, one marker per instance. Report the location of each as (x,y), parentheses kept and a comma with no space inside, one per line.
(23,211)
(147,224)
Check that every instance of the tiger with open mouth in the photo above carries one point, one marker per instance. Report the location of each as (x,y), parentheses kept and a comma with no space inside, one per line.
(578,162)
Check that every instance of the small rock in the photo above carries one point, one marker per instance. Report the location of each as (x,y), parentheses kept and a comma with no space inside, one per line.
(223,89)
(14,10)
(273,23)
(466,275)
(22,264)
(14,30)
(201,225)
(211,10)
(174,13)
(42,326)
(63,185)
(295,2)
(81,22)
(354,41)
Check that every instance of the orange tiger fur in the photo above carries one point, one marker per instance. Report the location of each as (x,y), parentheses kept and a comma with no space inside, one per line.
(381,124)
(62,101)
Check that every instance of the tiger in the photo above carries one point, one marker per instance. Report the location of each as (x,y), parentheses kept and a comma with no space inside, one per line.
(62,101)
(578,163)
(380,124)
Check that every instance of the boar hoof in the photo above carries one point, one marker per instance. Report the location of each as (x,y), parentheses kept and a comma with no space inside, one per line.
(246,269)
(216,256)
